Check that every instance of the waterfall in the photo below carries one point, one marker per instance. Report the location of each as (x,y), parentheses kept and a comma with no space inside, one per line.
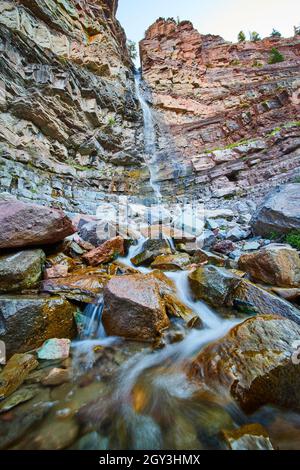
(93,327)
(149,137)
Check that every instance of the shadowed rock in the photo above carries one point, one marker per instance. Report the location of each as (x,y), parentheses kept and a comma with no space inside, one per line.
(280,212)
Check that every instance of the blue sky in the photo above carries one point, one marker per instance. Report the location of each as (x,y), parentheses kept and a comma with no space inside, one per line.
(223,17)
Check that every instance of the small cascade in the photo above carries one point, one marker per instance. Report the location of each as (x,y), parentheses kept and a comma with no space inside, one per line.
(92,337)
(93,327)
(149,137)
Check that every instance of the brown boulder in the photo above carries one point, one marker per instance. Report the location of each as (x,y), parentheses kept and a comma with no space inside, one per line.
(253,362)
(213,284)
(15,372)
(106,252)
(134,308)
(291,295)
(202,257)
(23,224)
(59,270)
(275,264)
(56,376)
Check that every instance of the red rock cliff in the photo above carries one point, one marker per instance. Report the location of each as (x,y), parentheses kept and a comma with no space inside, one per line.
(213,94)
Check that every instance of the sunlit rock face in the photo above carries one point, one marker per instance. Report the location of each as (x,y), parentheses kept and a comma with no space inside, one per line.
(67,104)
(233,116)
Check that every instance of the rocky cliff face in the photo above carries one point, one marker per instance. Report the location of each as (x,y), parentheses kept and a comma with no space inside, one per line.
(233,116)
(70,124)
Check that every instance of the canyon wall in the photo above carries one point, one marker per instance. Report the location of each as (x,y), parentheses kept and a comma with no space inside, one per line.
(233,117)
(70,124)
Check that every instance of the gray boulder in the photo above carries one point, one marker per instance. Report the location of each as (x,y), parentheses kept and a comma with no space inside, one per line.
(280,212)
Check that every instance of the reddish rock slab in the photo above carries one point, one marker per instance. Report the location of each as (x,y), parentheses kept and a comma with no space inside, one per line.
(225,247)
(59,270)
(83,285)
(105,253)
(23,224)
(274,264)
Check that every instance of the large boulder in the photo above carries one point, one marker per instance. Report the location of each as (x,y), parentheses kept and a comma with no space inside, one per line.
(212,284)
(134,308)
(27,321)
(274,264)
(253,363)
(280,212)
(21,270)
(223,288)
(23,224)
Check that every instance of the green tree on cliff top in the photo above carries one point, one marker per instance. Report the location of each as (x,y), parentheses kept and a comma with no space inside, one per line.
(254,36)
(275,33)
(241,36)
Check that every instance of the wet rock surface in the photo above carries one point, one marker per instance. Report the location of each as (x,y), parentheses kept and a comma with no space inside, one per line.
(83,284)
(27,321)
(222,287)
(151,249)
(15,372)
(253,363)
(133,308)
(171,262)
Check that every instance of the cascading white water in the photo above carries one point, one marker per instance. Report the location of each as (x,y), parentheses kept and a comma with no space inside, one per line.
(93,327)
(149,137)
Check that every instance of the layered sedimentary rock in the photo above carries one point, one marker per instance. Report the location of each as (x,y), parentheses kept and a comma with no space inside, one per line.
(233,116)
(69,119)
